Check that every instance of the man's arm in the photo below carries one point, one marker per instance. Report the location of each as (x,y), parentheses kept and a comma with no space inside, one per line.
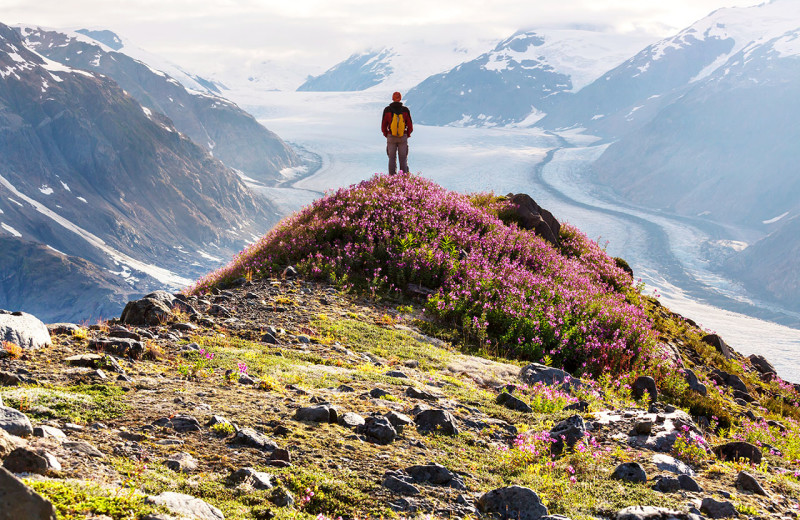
(409,124)
(384,123)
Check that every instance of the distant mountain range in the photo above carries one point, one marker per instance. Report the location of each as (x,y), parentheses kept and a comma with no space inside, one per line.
(101,193)
(229,133)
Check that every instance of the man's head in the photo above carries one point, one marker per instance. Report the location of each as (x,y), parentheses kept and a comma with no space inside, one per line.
(396,96)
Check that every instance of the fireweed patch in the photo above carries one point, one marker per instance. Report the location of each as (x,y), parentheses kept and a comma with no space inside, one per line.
(512,293)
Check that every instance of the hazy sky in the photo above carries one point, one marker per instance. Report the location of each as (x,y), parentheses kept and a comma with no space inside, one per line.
(325,31)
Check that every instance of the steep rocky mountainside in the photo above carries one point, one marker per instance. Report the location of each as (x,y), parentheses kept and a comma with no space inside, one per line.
(79,290)
(226,131)
(770,266)
(90,172)
(358,72)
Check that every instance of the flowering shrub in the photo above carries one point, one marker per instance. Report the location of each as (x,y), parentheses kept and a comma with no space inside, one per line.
(544,398)
(782,439)
(511,291)
(690,447)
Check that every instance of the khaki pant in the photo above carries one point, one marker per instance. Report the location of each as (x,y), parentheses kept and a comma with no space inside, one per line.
(397,146)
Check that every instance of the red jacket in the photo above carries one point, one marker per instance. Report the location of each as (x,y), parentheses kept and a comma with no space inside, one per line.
(396,107)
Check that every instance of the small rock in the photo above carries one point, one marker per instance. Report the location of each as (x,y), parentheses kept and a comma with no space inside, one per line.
(379,429)
(398,420)
(282,498)
(18,501)
(181,463)
(269,339)
(671,464)
(26,460)
(281,455)
(580,406)
(15,422)
(321,413)
(735,450)
(667,485)
(153,309)
(689,484)
(351,420)
(84,360)
(397,485)
(436,474)
(258,479)
(651,513)
(250,437)
(48,432)
(416,393)
(538,373)
(440,421)
(643,427)
(717,342)
(513,502)
(396,373)
(630,472)
(344,389)
(83,448)
(644,384)
(513,403)
(377,393)
(715,509)
(186,505)
(180,423)
(567,433)
(747,482)
(761,364)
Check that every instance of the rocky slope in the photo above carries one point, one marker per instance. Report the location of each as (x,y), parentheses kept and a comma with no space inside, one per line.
(93,174)
(226,131)
(289,399)
(280,396)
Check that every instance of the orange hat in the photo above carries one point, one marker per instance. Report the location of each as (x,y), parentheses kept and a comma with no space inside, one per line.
(396,96)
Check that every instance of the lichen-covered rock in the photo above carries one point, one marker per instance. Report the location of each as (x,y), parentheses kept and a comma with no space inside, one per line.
(630,472)
(538,373)
(15,422)
(23,329)
(186,505)
(440,421)
(513,502)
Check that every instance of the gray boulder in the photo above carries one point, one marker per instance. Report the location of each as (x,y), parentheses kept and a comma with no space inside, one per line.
(513,502)
(513,403)
(567,433)
(630,472)
(642,385)
(717,509)
(399,483)
(717,342)
(15,422)
(761,364)
(667,485)
(736,450)
(379,429)
(23,329)
(258,479)
(250,437)
(437,475)
(538,373)
(652,513)
(181,463)
(439,421)
(186,505)
(351,420)
(26,460)
(321,413)
(533,217)
(18,501)
(747,482)
(153,309)
(689,484)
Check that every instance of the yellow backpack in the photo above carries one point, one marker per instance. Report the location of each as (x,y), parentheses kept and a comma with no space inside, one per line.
(398,126)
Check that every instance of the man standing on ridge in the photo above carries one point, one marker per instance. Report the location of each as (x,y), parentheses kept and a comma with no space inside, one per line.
(396,126)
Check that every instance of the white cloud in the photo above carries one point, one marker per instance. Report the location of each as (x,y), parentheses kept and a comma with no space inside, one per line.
(205,35)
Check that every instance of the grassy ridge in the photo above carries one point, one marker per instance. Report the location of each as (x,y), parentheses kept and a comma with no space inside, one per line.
(508,290)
